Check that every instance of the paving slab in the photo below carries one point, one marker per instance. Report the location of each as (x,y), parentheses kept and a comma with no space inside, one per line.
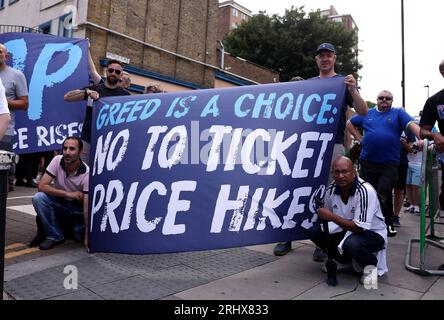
(134,288)
(260,283)
(140,263)
(38,285)
(436,292)
(179,278)
(350,289)
(42,263)
(83,294)
(94,271)
(398,275)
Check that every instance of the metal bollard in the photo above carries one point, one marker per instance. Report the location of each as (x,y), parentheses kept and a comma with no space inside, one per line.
(6,159)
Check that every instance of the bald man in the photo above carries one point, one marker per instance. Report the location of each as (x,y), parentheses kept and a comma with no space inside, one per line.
(381,148)
(16,91)
(355,220)
(434,112)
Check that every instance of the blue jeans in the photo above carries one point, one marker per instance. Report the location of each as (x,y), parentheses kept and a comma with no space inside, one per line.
(55,213)
(358,246)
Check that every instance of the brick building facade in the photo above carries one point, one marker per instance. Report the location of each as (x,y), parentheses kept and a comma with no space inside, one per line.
(230,15)
(167,24)
(172,43)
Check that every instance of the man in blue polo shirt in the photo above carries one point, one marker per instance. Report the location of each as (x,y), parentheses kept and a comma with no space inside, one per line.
(380,147)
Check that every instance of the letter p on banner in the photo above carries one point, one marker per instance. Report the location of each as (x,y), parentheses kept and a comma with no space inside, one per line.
(42,79)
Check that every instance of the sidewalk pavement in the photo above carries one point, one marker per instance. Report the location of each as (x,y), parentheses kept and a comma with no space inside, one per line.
(248,273)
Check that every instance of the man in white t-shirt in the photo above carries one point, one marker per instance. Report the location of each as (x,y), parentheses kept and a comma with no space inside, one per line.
(355,220)
(5,117)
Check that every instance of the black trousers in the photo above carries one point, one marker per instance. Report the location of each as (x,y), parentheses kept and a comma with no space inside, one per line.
(441,194)
(383,177)
(358,246)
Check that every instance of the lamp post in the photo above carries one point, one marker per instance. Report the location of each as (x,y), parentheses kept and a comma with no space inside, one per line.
(428,88)
(403,58)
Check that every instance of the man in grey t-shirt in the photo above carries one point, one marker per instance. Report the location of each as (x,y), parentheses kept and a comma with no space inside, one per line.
(16,90)
(5,118)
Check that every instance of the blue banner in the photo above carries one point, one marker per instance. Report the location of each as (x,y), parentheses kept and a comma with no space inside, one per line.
(52,66)
(210,169)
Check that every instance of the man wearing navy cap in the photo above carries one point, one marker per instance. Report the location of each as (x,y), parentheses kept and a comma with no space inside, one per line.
(325,60)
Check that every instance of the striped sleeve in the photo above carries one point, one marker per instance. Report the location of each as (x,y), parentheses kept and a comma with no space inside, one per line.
(328,195)
(366,205)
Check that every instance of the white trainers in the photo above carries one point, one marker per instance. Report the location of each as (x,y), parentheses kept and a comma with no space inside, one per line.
(413,210)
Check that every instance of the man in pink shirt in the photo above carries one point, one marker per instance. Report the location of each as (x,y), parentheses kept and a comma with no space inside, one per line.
(64,202)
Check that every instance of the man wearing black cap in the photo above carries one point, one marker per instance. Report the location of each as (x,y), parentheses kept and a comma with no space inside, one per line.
(433,112)
(325,60)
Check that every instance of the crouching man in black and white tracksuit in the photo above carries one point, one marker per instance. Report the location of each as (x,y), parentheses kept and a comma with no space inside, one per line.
(356,224)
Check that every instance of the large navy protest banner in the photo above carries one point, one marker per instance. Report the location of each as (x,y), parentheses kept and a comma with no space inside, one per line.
(210,168)
(52,66)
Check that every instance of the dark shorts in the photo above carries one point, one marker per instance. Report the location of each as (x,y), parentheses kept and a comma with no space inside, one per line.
(402,177)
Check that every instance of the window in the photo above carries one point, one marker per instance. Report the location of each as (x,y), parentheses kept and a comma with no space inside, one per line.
(337,19)
(233,25)
(12,1)
(65,25)
(234,12)
(2,4)
(45,27)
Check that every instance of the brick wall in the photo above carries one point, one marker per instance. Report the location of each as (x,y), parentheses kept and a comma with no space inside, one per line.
(223,26)
(185,27)
(249,70)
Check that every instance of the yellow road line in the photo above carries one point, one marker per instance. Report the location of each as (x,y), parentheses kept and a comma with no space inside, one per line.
(20,253)
(15,246)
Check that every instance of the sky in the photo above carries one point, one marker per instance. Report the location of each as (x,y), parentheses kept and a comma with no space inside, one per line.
(379,23)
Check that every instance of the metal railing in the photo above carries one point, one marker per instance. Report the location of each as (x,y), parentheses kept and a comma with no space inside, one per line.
(430,215)
(4,28)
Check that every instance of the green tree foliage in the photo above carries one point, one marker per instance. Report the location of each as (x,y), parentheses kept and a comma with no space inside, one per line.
(287,44)
(370,104)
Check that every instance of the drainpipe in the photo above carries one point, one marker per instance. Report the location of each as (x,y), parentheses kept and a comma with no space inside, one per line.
(222,56)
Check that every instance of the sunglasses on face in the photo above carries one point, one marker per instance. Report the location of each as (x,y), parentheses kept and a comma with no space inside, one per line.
(385,98)
(116,71)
